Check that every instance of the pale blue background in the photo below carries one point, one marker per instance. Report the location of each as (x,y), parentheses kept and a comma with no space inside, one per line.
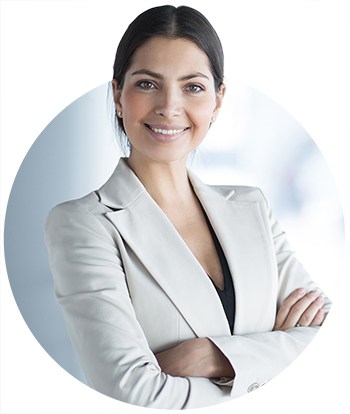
(259,144)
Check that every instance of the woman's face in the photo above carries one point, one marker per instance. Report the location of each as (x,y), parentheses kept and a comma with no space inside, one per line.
(168,99)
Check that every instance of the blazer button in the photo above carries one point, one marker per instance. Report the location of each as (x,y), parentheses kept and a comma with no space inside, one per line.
(253,387)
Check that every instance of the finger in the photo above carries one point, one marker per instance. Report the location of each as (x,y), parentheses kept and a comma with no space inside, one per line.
(286,306)
(319,318)
(299,308)
(310,313)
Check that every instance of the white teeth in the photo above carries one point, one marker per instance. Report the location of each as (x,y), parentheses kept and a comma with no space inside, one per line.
(167,131)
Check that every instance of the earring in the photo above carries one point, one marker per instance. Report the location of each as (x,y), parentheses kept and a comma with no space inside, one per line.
(212,120)
(119,114)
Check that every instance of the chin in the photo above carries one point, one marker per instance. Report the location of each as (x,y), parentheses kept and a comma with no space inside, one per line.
(167,156)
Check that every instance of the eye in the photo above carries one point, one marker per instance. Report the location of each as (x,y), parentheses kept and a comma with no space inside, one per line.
(145,85)
(194,88)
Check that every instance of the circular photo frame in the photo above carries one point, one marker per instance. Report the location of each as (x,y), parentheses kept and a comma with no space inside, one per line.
(77,152)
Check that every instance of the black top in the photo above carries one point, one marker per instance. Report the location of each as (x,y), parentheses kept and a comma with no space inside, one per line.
(227,295)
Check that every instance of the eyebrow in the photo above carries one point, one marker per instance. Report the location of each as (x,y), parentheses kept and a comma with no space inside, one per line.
(159,76)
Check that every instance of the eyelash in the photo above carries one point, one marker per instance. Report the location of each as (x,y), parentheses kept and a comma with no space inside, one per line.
(195,85)
(148,85)
(141,85)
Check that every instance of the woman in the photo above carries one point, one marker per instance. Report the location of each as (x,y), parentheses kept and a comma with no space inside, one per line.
(176,294)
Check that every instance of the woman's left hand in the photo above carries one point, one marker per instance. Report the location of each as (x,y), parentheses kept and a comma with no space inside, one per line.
(197,357)
(301,308)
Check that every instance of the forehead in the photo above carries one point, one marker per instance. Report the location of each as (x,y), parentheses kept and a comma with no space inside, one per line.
(174,55)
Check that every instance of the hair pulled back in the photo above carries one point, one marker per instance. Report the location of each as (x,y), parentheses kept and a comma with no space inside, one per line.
(173,22)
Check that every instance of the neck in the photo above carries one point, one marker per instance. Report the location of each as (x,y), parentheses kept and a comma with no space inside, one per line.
(165,182)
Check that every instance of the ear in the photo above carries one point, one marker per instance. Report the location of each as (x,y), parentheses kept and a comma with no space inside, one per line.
(117,92)
(219,100)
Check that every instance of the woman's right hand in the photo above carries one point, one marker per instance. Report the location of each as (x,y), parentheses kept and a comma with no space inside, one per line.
(301,308)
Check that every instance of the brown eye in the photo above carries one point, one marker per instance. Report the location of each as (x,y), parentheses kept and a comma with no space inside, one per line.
(145,85)
(195,88)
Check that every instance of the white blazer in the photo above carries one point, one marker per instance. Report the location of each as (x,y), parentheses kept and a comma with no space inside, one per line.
(130,287)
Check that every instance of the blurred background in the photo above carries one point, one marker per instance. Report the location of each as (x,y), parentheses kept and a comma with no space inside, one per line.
(253,142)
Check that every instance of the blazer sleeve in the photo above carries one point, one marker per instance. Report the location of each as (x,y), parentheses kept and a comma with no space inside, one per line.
(111,346)
(258,357)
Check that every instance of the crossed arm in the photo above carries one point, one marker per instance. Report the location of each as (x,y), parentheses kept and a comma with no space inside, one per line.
(111,344)
(200,357)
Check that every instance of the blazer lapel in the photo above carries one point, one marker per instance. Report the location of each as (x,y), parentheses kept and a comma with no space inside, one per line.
(242,233)
(240,228)
(157,244)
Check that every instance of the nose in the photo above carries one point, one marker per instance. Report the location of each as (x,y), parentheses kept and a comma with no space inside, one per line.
(169,103)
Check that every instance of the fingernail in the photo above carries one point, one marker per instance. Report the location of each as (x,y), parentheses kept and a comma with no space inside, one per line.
(320,299)
(315,293)
(301,291)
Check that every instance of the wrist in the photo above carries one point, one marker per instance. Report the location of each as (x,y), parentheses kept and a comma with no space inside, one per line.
(219,366)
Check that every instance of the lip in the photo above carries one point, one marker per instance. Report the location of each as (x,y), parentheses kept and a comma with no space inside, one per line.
(166,138)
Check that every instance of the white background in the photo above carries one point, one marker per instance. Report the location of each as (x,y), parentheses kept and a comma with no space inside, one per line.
(296,52)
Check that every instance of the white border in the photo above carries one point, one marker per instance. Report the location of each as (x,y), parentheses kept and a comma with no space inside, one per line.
(294,51)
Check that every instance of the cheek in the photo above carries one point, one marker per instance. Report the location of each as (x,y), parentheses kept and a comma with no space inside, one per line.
(202,113)
(133,106)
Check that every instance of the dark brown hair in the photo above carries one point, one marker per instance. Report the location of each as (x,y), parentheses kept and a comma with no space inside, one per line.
(173,22)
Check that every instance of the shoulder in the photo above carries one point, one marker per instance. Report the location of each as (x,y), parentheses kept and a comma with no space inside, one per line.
(239,192)
(229,192)
(86,204)
(70,215)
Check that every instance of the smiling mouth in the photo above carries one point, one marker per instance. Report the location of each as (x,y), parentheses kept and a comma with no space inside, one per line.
(166,131)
